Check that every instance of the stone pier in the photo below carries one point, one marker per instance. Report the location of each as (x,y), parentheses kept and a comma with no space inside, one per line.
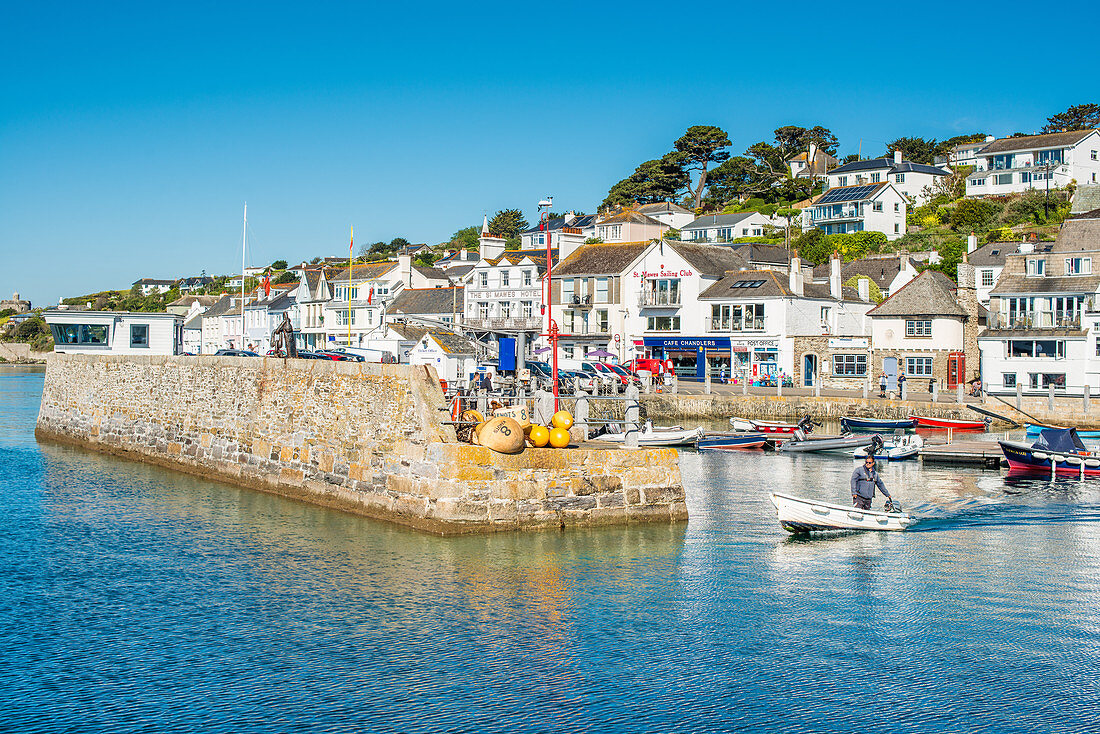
(360,437)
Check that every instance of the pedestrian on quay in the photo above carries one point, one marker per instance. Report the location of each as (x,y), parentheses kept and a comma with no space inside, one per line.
(864,481)
(882,385)
(901,384)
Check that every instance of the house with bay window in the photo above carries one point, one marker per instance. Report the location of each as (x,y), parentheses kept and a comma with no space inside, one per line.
(767,323)
(874,207)
(1044,324)
(1014,165)
(921,331)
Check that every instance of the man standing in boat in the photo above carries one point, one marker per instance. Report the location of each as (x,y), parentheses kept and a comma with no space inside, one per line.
(864,480)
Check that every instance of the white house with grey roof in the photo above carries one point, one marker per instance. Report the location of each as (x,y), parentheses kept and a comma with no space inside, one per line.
(1014,165)
(915,180)
(726,227)
(874,207)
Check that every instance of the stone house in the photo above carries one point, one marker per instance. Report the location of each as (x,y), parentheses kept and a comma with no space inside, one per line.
(15,303)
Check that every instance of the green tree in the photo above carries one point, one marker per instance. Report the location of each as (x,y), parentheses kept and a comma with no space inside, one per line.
(397,244)
(792,139)
(734,179)
(279,265)
(286,277)
(465,238)
(973,215)
(663,179)
(507,223)
(917,150)
(944,146)
(702,145)
(812,246)
(1077,117)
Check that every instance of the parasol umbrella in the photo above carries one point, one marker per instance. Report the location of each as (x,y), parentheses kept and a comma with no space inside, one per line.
(540,350)
(602,353)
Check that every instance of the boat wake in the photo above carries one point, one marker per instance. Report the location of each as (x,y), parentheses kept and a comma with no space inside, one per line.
(981,513)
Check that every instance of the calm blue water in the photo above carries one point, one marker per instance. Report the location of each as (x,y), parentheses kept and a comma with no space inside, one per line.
(137,599)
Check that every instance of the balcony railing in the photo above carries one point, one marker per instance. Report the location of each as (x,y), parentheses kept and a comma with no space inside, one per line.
(533,323)
(659,299)
(749,325)
(586,330)
(847,213)
(1035,320)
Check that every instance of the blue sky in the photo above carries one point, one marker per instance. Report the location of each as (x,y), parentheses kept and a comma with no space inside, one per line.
(131,134)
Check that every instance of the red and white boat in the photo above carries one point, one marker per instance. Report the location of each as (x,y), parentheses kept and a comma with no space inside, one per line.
(748,424)
(956,424)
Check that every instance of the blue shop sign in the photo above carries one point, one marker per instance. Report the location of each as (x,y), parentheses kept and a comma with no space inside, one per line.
(687,343)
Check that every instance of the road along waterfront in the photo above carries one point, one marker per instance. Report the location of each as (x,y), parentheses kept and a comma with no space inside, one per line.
(138,598)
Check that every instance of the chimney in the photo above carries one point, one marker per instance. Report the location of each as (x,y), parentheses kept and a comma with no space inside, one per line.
(971,243)
(834,276)
(863,287)
(490,247)
(795,279)
(404,268)
(903,261)
(897,157)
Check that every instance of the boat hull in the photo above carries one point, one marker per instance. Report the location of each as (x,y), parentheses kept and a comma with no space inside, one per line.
(1033,430)
(731,441)
(820,445)
(958,425)
(659,437)
(797,515)
(1023,458)
(748,424)
(871,424)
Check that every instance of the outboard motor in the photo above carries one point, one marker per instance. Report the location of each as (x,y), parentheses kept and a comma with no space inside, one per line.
(892,505)
(876,445)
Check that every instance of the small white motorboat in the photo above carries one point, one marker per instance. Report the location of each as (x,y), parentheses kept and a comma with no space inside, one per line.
(798,515)
(899,447)
(650,435)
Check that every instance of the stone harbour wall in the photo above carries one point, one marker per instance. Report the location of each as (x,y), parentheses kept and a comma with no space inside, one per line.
(361,437)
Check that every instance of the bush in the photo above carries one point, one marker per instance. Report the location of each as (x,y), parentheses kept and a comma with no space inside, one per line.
(287,277)
(42,343)
(31,328)
(873,290)
(974,215)
(999,234)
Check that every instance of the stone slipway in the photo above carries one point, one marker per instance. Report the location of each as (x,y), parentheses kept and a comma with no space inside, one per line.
(360,437)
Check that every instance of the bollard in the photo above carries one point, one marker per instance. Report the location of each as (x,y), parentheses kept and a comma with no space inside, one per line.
(904,389)
(1085,401)
(1050,397)
(580,415)
(817,389)
(744,387)
(482,402)
(959,393)
(935,392)
(632,416)
(675,384)
(779,388)
(706,384)
(865,386)
(1019,395)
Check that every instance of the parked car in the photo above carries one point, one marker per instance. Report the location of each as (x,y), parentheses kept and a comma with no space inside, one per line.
(627,376)
(654,366)
(305,354)
(334,356)
(341,356)
(235,353)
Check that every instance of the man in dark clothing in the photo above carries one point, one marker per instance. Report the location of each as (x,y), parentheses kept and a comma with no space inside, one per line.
(882,385)
(864,481)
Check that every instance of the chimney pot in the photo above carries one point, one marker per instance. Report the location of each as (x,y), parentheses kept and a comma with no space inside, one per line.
(897,156)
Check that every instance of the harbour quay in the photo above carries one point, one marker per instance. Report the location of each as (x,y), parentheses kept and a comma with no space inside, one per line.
(367,438)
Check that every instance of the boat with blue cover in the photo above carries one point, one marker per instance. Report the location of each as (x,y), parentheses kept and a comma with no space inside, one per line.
(1034,429)
(1058,451)
(877,425)
(730,441)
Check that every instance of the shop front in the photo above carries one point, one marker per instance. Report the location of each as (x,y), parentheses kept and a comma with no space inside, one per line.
(740,359)
(689,355)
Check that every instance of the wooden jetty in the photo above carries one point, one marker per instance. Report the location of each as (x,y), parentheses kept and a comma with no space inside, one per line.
(986,454)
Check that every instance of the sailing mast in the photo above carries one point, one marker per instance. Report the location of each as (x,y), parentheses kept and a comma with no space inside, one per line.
(244,240)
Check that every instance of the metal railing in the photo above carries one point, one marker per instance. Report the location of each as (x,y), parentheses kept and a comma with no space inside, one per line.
(1035,320)
(659,298)
(510,323)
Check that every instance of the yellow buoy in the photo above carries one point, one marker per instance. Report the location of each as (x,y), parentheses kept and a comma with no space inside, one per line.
(501,434)
(559,437)
(539,436)
(562,419)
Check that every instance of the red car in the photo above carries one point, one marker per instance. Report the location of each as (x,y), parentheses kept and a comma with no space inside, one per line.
(654,366)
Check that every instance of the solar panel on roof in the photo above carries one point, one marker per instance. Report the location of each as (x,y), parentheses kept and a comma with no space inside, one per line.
(748,284)
(847,193)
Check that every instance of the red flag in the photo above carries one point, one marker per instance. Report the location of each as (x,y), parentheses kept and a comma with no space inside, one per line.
(266,283)
(370,295)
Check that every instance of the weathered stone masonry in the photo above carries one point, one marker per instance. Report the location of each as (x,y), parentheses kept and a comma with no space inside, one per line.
(364,438)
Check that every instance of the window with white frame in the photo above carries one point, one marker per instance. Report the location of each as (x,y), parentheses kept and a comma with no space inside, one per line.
(918,327)
(663,323)
(1036,267)
(528,309)
(850,365)
(506,309)
(600,316)
(611,232)
(505,278)
(876,177)
(1002,179)
(897,206)
(900,177)
(1093,154)
(842,181)
(601,290)
(527,277)
(1078,266)
(344,317)
(876,206)
(1008,379)
(567,290)
(977,182)
(987,278)
(484,279)
(918,366)
(483,309)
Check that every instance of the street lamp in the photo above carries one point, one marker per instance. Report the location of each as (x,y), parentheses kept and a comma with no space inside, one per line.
(551,325)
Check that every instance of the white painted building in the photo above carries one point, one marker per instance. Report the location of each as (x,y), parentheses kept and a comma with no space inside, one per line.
(1014,165)
(452,356)
(915,180)
(874,207)
(312,296)
(726,227)
(115,332)
(153,285)
(572,226)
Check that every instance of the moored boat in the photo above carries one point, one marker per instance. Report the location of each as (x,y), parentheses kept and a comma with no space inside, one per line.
(826,444)
(730,441)
(905,446)
(650,435)
(854,423)
(955,423)
(1034,429)
(748,424)
(798,515)
(1058,449)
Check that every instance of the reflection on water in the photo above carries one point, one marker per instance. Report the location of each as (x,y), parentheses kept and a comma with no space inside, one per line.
(134,598)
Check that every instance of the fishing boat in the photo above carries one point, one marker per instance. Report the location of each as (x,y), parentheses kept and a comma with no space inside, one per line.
(655,436)
(748,424)
(852,423)
(798,515)
(903,446)
(1034,429)
(826,444)
(955,423)
(1058,451)
(730,441)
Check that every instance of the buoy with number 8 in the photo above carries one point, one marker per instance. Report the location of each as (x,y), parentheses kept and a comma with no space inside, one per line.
(562,419)
(539,436)
(559,438)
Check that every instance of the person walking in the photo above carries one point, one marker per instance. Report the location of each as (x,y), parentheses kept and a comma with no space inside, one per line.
(882,385)
(864,481)
(901,385)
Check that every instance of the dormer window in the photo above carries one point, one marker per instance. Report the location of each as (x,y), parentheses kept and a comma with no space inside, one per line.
(1078,266)
(1036,267)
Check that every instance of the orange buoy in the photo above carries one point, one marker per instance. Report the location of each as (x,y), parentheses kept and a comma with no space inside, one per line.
(539,436)
(562,419)
(559,438)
